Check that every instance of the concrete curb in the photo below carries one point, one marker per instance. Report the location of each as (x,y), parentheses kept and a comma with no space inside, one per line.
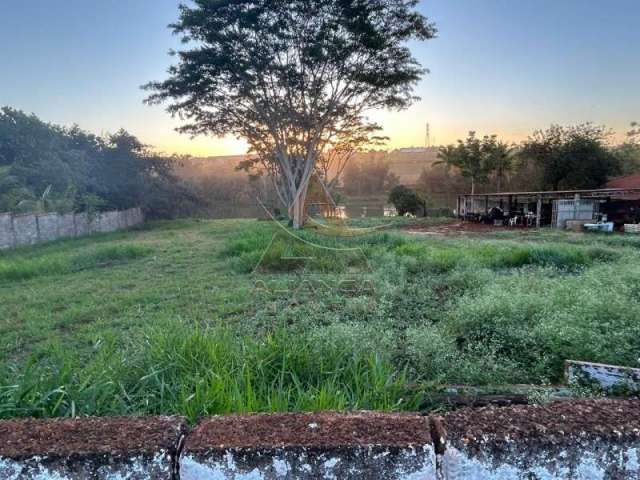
(585,439)
(310,446)
(117,448)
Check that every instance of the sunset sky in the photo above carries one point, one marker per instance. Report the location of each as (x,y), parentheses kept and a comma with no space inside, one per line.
(498,66)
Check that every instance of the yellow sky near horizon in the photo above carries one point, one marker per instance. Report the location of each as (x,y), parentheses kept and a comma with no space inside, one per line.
(401,132)
(495,70)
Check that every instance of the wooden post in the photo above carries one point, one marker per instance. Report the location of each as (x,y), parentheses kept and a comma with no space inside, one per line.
(486,204)
(539,212)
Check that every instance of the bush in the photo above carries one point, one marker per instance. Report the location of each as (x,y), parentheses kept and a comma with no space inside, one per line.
(407,201)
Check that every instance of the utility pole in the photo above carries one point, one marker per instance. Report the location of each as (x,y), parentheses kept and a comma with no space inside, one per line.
(427,142)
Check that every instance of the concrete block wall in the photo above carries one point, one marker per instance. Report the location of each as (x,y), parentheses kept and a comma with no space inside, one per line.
(25,229)
(47,227)
(82,225)
(583,440)
(7,237)
(19,230)
(66,225)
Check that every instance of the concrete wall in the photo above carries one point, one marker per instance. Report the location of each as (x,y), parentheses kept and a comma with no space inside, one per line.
(7,237)
(47,227)
(25,229)
(19,230)
(90,448)
(582,440)
(310,446)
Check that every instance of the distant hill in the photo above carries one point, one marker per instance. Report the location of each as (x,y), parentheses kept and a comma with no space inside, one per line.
(407,163)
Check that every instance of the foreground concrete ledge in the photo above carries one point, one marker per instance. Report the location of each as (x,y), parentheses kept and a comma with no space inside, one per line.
(310,446)
(608,377)
(584,439)
(117,448)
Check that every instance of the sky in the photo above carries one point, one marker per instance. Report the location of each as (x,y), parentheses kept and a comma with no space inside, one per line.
(504,67)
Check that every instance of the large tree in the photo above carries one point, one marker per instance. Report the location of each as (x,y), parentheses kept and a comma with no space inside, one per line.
(577,157)
(468,158)
(629,151)
(291,76)
(369,176)
(499,158)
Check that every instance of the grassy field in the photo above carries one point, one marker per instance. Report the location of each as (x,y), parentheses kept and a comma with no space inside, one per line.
(205,317)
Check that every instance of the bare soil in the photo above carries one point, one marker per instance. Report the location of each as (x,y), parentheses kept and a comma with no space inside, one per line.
(579,418)
(310,430)
(453,229)
(89,436)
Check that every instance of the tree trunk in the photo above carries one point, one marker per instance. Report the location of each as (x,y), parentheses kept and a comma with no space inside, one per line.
(473,186)
(297,210)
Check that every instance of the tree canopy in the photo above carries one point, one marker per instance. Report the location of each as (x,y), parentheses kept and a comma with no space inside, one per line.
(577,157)
(45,167)
(291,76)
(477,158)
(407,201)
(368,177)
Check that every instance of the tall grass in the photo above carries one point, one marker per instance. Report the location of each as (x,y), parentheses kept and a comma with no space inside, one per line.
(202,342)
(272,249)
(195,373)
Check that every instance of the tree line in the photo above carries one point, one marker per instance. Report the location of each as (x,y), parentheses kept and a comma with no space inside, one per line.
(45,167)
(558,158)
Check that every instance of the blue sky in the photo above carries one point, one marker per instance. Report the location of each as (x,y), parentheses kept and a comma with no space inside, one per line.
(498,66)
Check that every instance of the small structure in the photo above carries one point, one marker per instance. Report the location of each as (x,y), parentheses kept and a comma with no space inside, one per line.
(553,208)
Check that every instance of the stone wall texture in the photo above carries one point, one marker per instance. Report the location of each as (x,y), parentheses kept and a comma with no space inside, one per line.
(66,225)
(47,227)
(20,230)
(7,237)
(25,229)
(582,440)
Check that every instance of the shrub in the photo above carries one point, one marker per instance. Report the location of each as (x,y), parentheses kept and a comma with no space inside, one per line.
(407,201)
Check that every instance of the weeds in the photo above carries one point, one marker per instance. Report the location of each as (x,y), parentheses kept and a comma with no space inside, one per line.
(188,333)
(195,373)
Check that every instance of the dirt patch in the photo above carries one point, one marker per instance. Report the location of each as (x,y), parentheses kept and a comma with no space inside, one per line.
(454,229)
(580,418)
(89,436)
(310,430)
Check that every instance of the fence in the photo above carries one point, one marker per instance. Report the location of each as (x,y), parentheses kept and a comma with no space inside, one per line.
(29,229)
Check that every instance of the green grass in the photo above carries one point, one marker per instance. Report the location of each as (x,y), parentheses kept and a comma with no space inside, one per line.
(176,318)
(23,268)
